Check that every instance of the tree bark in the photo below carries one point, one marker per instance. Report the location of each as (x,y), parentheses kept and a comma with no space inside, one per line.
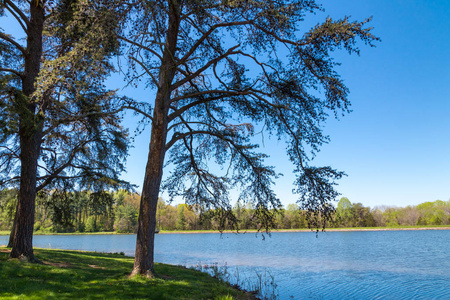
(30,134)
(145,242)
(144,255)
(11,235)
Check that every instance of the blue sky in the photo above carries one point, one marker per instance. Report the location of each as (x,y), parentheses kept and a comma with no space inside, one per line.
(395,145)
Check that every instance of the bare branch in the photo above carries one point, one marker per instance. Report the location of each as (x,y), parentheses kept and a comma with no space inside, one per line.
(205,67)
(14,43)
(179,136)
(11,6)
(207,34)
(141,46)
(146,70)
(12,71)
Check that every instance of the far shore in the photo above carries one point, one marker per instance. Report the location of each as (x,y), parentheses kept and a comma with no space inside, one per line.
(442,227)
(446,227)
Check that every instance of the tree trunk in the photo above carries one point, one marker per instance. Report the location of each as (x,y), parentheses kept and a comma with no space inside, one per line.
(144,255)
(30,134)
(13,228)
(23,234)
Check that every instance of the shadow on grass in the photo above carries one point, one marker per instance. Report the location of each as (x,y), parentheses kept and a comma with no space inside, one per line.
(88,275)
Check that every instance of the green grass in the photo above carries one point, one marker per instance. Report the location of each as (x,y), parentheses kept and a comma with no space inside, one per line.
(89,275)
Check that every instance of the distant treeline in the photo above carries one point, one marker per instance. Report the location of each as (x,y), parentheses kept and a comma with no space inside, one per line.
(118,211)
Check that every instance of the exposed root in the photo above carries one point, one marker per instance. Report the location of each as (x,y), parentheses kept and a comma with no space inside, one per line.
(148,273)
(27,258)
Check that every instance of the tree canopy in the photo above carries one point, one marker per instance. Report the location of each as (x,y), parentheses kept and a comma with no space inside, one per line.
(223,71)
(57,127)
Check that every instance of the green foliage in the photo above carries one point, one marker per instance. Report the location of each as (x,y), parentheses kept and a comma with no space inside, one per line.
(80,227)
(88,275)
(344,211)
(118,212)
(8,203)
(91,224)
(216,66)
(63,99)
(126,218)
(181,220)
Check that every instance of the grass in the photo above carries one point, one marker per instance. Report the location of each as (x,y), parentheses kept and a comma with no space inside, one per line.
(68,274)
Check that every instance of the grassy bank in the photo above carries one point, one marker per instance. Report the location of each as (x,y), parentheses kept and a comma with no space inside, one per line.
(89,275)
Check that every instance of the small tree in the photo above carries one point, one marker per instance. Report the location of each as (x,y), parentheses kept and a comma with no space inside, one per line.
(222,72)
(345,212)
(181,219)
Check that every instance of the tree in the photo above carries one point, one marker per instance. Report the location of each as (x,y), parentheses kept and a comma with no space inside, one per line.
(126,213)
(362,217)
(344,212)
(222,72)
(56,119)
(181,220)
(8,202)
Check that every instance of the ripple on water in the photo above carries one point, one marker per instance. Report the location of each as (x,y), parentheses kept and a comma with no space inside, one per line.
(336,265)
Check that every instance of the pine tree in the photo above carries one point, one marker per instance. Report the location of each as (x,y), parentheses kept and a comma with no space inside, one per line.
(57,127)
(222,72)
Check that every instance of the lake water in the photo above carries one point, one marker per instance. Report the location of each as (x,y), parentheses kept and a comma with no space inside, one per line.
(335,265)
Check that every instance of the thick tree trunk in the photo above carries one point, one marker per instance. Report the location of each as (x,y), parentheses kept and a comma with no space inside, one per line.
(145,243)
(23,234)
(30,134)
(144,255)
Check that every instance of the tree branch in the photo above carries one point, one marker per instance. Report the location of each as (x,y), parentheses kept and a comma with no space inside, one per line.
(13,42)
(206,66)
(141,46)
(19,12)
(206,34)
(12,71)
(79,117)
(146,70)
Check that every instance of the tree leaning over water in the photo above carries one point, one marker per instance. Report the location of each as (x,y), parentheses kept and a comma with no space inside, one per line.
(220,70)
(57,129)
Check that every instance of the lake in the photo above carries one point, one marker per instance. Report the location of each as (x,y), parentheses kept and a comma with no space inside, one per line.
(334,265)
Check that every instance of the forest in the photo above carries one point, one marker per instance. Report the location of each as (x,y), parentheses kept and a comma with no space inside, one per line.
(118,212)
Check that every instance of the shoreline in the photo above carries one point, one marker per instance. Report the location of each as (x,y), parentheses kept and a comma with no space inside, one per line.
(313,230)
(444,227)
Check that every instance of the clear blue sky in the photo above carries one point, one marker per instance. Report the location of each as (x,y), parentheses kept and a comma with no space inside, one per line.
(395,145)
